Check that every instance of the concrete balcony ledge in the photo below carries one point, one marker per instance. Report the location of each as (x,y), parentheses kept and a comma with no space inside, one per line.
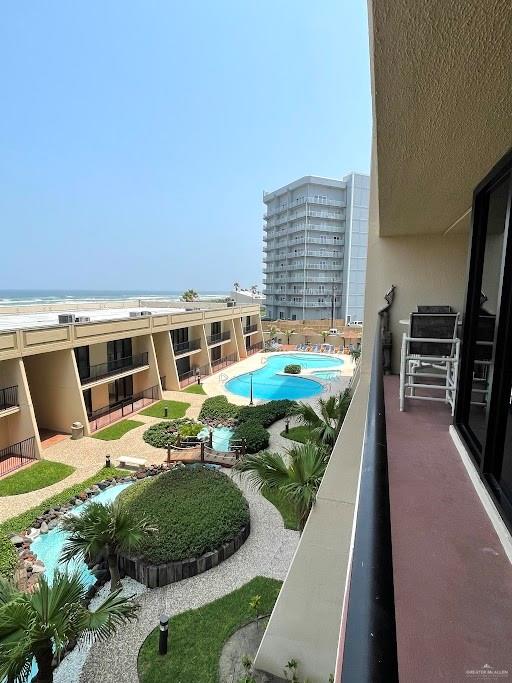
(11,410)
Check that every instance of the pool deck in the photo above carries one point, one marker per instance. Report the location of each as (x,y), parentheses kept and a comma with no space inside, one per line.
(215,384)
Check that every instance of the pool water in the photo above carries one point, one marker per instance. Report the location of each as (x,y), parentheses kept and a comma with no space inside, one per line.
(268,384)
(48,546)
(328,374)
(221,437)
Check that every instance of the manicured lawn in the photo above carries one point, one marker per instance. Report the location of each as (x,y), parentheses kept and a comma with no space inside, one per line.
(195,389)
(117,430)
(284,506)
(197,636)
(300,434)
(195,509)
(42,473)
(25,519)
(175,409)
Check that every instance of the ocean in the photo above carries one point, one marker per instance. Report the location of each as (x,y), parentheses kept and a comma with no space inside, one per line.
(26,297)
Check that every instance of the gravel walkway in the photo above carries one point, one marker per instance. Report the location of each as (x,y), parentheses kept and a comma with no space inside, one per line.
(267,552)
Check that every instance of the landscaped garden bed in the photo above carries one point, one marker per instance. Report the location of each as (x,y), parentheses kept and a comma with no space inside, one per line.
(172,432)
(197,636)
(202,519)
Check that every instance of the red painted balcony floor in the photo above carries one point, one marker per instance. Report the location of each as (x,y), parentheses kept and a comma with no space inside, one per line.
(453,580)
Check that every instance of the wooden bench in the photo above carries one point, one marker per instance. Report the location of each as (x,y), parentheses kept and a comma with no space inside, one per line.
(130,462)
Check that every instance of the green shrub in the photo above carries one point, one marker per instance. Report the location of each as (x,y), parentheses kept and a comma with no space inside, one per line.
(266,413)
(292,369)
(196,509)
(256,436)
(218,408)
(164,433)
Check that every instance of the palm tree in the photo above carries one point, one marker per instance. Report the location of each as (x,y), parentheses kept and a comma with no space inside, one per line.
(104,530)
(326,424)
(288,334)
(236,286)
(297,482)
(190,295)
(40,624)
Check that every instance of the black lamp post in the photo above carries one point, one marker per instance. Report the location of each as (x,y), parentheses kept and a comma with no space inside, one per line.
(251,402)
(164,634)
(198,374)
(107,461)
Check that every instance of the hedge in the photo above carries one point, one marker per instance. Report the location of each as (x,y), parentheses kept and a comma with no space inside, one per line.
(256,436)
(218,408)
(267,413)
(292,369)
(163,433)
(196,510)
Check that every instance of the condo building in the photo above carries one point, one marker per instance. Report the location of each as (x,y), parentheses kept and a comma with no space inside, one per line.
(403,571)
(314,253)
(97,365)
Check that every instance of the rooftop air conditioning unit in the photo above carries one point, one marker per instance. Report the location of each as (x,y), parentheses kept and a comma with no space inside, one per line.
(143,314)
(82,319)
(66,318)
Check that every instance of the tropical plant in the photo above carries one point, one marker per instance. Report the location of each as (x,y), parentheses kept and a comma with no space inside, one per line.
(326,424)
(236,286)
(267,413)
(190,295)
(324,334)
(218,408)
(288,334)
(104,530)
(41,624)
(292,369)
(298,481)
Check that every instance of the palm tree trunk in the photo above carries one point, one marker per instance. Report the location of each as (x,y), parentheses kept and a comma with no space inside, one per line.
(44,659)
(115,580)
(303,515)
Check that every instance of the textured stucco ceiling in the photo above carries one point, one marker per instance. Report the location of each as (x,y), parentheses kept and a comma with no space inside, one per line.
(442,81)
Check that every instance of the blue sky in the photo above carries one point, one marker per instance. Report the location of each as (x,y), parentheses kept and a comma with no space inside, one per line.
(136,137)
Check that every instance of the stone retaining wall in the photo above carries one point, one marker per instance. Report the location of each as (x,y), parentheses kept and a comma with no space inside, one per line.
(155,576)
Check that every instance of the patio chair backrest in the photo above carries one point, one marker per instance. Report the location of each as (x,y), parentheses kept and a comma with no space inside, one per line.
(434,309)
(432,326)
(485,333)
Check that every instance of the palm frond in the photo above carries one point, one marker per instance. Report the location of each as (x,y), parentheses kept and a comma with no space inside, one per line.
(115,611)
(264,470)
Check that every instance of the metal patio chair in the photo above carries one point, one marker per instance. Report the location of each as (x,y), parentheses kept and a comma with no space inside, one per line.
(429,360)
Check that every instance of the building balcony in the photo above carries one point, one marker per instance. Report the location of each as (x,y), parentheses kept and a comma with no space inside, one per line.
(9,401)
(182,348)
(430,588)
(219,338)
(17,455)
(101,417)
(112,368)
(193,375)
(249,329)
(223,362)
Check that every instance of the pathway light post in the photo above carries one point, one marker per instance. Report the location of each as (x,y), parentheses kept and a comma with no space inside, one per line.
(164,634)
(251,402)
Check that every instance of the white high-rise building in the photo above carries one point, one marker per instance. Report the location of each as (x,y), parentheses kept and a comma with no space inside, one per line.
(315,243)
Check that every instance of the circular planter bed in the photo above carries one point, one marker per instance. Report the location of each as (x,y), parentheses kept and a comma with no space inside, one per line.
(202,519)
(166,433)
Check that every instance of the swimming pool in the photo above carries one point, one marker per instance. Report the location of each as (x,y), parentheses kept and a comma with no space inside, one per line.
(268,384)
(48,547)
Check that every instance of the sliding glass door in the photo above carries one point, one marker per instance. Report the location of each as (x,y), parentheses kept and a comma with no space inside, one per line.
(483,411)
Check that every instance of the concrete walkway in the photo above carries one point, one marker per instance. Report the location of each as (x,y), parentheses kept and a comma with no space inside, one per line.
(267,552)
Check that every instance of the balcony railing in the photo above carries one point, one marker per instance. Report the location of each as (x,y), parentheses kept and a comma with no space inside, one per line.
(369,647)
(104,416)
(254,348)
(220,337)
(224,362)
(192,375)
(18,454)
(115,367)
(250,328)
(186,346)
(8,398)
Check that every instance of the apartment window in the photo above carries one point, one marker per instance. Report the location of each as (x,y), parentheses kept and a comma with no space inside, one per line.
(120,390)
(281,315)
(179,336)
(216,328)
(82,361)
(294,317)
(483,414)
(88,401)
(215,353)
(118,349)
